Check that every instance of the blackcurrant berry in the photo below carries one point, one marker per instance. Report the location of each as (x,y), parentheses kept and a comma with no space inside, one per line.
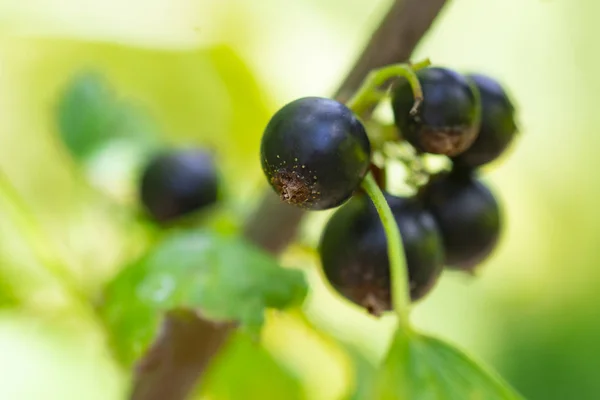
(354,253)
(177,183)
(468,216)
(446,121)
(498,127)
(315,153)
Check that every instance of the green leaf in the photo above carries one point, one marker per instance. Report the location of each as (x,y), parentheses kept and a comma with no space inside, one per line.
(224,277)
(91,116)
(246,364)
(420,367)
(365,373)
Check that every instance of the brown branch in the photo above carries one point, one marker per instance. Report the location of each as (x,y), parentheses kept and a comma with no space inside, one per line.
(273,224)
(187,343)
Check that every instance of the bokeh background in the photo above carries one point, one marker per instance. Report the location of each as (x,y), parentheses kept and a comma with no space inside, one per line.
(210,72)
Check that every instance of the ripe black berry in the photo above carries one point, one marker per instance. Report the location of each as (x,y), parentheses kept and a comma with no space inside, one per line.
(468,217)
(498,127)
(315,153)
(354,251)
(446,121)
(177,183)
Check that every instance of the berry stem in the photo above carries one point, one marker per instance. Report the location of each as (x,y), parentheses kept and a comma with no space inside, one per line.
(369,93)
(398,272)
(39,241)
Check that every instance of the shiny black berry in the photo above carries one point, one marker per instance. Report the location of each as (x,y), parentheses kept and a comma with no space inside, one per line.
(354,253)
(468,216)
(177,183)
(498,127)
(315,153)
(446,121)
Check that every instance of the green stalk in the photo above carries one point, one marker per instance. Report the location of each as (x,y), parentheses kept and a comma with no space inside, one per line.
(39,242)
(398,271)
(369,94)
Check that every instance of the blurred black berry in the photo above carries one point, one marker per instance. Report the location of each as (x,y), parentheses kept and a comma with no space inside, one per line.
(468,217)
(498,127)
(177,183)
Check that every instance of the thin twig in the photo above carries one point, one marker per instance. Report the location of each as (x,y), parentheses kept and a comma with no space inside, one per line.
(170,369)
(273,224)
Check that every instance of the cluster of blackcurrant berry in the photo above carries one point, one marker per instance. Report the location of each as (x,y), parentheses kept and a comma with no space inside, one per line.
(315,153)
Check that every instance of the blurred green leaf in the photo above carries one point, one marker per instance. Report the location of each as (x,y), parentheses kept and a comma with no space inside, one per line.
(8,299)
(224,277)
(246,370)
(8,296)
(365,373)
(554,355)
(421,367)
(91,116)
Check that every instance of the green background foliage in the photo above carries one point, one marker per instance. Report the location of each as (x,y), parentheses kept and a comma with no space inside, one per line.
(211,73)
